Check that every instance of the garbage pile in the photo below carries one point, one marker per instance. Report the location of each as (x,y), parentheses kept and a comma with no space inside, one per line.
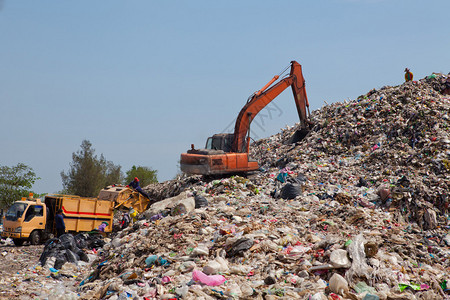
(394,139)
(170,188)
(69,248)
(356,210)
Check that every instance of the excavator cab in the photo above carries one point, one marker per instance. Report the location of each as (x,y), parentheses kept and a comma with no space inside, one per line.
(218,157)
(221,141)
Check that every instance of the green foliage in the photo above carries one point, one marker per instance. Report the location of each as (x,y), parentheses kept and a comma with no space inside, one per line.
(146,175)
(15,183)
(88,174)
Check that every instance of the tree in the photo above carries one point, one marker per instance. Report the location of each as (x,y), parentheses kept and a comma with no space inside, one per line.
(146,175)
(15,183)
(88,174)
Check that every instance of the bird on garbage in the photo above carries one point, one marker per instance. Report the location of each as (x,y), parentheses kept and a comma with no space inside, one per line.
(408,75)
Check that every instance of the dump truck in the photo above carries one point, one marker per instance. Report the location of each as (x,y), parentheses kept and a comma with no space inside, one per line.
(33,220)
(124,197)
(227,153)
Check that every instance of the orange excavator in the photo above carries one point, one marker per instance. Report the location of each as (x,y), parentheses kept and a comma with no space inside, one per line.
(229,152)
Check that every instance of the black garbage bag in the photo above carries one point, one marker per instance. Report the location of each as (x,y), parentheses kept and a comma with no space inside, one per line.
(275,193)
(51,243)
(69,248)
(403,182)
(95,241)
(239,247)
(362,182)
(301,178)
(200,201)
(68,242)
(83,256)
(49,249)
(98,243)
(45,255)
(291,190)
(71,256)
(61,259)
(80,240)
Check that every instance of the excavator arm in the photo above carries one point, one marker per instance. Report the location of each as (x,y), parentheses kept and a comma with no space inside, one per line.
(263,97)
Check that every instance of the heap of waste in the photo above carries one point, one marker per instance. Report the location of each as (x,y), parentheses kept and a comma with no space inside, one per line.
(53,275)
(356,210)
(69,248)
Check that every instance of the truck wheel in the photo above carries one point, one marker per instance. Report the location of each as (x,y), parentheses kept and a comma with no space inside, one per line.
(35,238)
(18,242)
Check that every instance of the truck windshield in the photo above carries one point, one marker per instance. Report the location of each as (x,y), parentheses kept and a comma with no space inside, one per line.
(15,211)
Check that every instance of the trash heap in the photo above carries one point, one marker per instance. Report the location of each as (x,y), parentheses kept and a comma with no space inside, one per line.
(356,210)
(395,138)
(170,188)
(69,248)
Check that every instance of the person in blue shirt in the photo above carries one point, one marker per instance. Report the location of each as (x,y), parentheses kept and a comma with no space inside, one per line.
(135,185)
(59,223)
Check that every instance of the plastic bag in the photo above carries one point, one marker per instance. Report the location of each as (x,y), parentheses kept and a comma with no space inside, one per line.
(68,242)
(48,251)
(150,261)
(83,256)
(233,290)
(291,190)
(240,246)
(359,266)
(61,259)
(338,284)
(210,280)
(200,201)
(339,259)
(301,178)
(71,256)
(80,240)
(282,177)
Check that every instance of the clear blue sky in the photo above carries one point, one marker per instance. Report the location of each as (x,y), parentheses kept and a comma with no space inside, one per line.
(142,80)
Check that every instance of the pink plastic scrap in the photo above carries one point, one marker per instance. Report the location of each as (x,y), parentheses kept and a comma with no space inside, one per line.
(209,280)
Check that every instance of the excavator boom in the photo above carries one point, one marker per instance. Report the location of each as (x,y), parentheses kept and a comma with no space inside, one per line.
(262,98)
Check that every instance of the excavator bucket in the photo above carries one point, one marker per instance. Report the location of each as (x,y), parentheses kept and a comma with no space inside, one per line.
(126,197)
(298,135)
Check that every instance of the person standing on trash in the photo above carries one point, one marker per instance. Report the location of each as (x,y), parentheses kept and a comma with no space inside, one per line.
(135,185)
(408,75)
(59,223)
(126,220)
(102,226)
(446,90)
